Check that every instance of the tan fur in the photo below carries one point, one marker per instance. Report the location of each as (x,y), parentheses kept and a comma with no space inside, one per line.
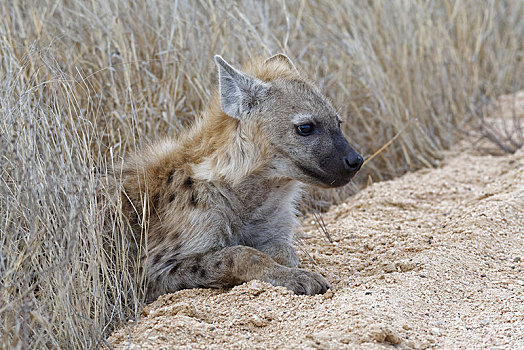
(219,203)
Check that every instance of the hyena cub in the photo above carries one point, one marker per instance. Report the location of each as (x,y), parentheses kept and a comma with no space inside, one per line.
(219,203)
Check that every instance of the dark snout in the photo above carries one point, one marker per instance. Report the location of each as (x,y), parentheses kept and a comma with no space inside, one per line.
(336,162)
(353,161)
(343,162)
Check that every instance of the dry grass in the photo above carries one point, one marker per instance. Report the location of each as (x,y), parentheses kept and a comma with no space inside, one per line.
(84,82)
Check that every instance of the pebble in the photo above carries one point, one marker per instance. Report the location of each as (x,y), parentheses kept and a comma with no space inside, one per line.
(257,321)
(328,294)
(389,267)
(405,265)
(255,287)
(345,340)
(436,331)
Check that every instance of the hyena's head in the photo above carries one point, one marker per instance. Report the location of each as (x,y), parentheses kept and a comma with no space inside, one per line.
(299,125)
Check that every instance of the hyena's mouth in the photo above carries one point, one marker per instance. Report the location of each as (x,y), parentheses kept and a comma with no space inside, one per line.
(324,179)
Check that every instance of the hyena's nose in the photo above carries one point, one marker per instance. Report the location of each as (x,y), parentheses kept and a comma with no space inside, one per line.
(353,162)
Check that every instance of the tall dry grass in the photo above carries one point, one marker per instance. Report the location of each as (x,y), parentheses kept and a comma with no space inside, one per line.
(82,83)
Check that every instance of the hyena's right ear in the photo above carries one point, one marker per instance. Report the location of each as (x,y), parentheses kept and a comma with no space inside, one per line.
(239,93)
(280,57)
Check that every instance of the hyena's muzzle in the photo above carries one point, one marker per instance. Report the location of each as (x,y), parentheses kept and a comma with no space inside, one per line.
(337,162)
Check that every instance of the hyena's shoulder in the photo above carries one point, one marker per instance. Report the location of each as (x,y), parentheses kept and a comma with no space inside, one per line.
(182,210)
(148,176)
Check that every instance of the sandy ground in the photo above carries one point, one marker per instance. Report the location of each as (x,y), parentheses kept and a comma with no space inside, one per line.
(434,258)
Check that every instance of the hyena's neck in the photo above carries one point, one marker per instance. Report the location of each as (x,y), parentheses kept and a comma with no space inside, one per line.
(228,151)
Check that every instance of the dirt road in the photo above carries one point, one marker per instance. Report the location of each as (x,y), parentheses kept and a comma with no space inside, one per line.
(434,258)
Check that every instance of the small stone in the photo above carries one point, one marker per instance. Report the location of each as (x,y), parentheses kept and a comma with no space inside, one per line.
(345,340)
(328,294)
(516,259)
(367,293)
(436,332)
(381,333)
(389,267)
(257,321)
(389,280)
(256,287)
(405,265)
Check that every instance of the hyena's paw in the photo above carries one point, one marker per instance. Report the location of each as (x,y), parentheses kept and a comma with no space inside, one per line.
(300,281)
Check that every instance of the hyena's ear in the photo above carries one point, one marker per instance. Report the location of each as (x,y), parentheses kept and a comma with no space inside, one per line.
(280,57)
(239,93)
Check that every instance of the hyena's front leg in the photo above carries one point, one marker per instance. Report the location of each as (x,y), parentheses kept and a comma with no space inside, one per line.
(282,252)
(232,266)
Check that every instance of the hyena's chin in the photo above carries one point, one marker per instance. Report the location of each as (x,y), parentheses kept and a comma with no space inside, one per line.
(321,178)
(335,182)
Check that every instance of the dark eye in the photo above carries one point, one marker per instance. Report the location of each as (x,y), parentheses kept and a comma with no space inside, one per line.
(305,129)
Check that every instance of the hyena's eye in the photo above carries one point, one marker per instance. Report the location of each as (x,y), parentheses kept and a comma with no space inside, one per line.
(305,129)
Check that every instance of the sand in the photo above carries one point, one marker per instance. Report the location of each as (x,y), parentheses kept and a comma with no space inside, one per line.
(434,258)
